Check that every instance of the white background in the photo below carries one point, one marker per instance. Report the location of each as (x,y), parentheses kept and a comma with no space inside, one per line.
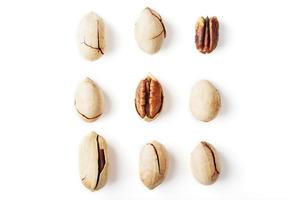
(255,67)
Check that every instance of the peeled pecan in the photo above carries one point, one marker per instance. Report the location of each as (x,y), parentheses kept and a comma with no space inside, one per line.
(149,98)
(207,34)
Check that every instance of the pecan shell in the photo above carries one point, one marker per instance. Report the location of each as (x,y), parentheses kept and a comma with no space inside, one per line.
(205,163)
(93,161)
(153,164)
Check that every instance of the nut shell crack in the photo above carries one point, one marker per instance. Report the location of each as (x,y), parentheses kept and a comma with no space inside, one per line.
(101,161)
(157,157)
(160,19)
(86,117)
(216,171)
(98,41)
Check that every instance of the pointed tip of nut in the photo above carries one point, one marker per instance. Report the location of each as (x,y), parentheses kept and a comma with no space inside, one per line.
(150,76)
(147,8)
(153,12)
(92,13)
(88,79)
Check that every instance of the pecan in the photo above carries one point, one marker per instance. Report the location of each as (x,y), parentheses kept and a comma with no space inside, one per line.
(205,101)
(89,100)
(149,98)
(205,163)
(150,31)
(153,165)
(91,36)
(93,161)
(207,34)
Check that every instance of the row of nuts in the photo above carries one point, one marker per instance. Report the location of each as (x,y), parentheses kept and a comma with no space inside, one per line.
(153,163)
(149,31)
(205,101)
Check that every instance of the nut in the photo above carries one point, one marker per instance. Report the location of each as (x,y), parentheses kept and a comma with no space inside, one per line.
(91,37)
(205,163)
(207,34)
(150,31)
(149,98)
(93,161)
(205,101)
(153,164)
(89,100)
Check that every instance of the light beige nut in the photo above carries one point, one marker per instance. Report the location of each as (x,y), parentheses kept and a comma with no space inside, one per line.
(93,161)
(153,164)
(205,101)
(205,164)
(150,31)
(149,98)
(89,100)
(91,36)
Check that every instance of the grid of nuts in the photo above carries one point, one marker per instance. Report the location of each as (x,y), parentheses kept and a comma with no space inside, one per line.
(205,102)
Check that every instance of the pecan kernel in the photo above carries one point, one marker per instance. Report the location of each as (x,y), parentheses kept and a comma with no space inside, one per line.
(207,34)
(149,98)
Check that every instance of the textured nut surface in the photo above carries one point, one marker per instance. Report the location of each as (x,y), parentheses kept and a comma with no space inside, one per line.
(149,31)
(207,34)
(93,161)
(149,98)
(205,101)
(91,37)
(205,163)
(153,164)
(89,100)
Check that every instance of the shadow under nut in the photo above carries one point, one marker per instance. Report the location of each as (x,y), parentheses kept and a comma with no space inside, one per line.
(149,98)
(205,163)
(93,161)
(89,100)
(149,31)
(153,164)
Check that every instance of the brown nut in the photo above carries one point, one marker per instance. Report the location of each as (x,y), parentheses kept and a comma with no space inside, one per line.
(207,34)
(149,98)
